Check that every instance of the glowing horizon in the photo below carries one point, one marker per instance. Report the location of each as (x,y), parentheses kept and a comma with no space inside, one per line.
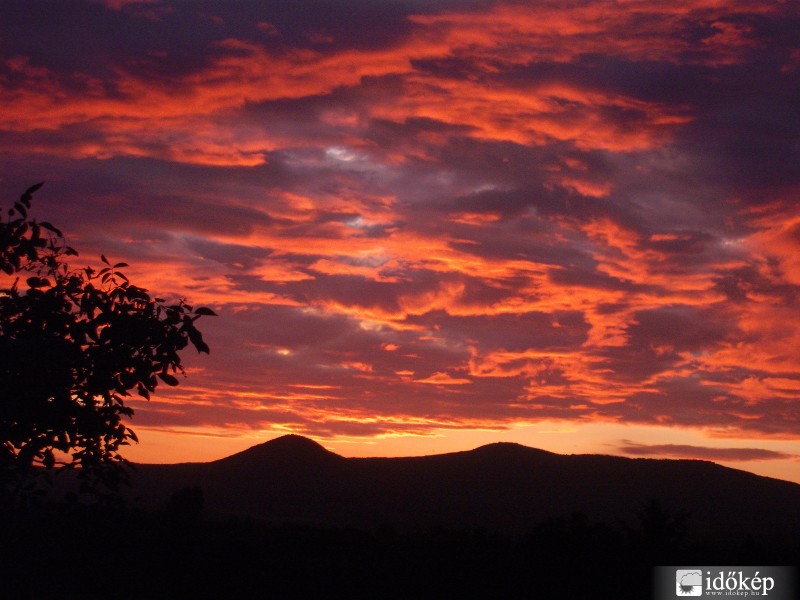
(426,227)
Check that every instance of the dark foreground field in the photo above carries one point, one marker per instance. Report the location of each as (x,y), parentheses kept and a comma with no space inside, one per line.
(84,553)
(287,519)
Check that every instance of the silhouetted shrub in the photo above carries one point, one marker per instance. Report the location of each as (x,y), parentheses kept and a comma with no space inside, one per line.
(74,343)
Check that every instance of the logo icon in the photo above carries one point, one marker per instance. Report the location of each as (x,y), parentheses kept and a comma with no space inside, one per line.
(688,582)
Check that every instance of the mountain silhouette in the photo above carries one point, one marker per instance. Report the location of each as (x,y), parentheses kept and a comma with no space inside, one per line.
(287,451)
(500,521)
(498,487)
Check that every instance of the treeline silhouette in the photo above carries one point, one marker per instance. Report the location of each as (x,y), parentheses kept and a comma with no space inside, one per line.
(68,550)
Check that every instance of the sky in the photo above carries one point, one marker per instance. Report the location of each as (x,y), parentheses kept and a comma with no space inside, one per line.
(426,226)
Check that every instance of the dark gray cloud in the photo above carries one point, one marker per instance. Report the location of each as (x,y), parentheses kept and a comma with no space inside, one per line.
(701,452)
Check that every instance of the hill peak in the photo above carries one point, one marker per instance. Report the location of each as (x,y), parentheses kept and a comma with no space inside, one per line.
(510,448)
(290,448)
(292,441)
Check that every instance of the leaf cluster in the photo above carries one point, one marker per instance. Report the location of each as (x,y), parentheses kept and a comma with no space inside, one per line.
(75,344)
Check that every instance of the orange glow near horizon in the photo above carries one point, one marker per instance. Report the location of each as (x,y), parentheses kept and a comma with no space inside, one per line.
(561,437)
(428,230)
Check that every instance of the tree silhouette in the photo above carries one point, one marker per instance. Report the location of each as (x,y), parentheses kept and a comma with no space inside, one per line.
(74,343)
(661,531)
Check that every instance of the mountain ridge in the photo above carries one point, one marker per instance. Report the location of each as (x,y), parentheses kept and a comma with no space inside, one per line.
(498,487)
(291,443)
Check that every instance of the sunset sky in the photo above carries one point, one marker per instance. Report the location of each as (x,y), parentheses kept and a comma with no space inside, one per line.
(426,226)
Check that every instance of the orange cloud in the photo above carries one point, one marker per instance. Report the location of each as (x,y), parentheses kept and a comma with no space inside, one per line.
(444,379)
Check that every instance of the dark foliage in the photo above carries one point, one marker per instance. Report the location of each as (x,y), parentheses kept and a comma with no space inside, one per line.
(74,343)
(568,557)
